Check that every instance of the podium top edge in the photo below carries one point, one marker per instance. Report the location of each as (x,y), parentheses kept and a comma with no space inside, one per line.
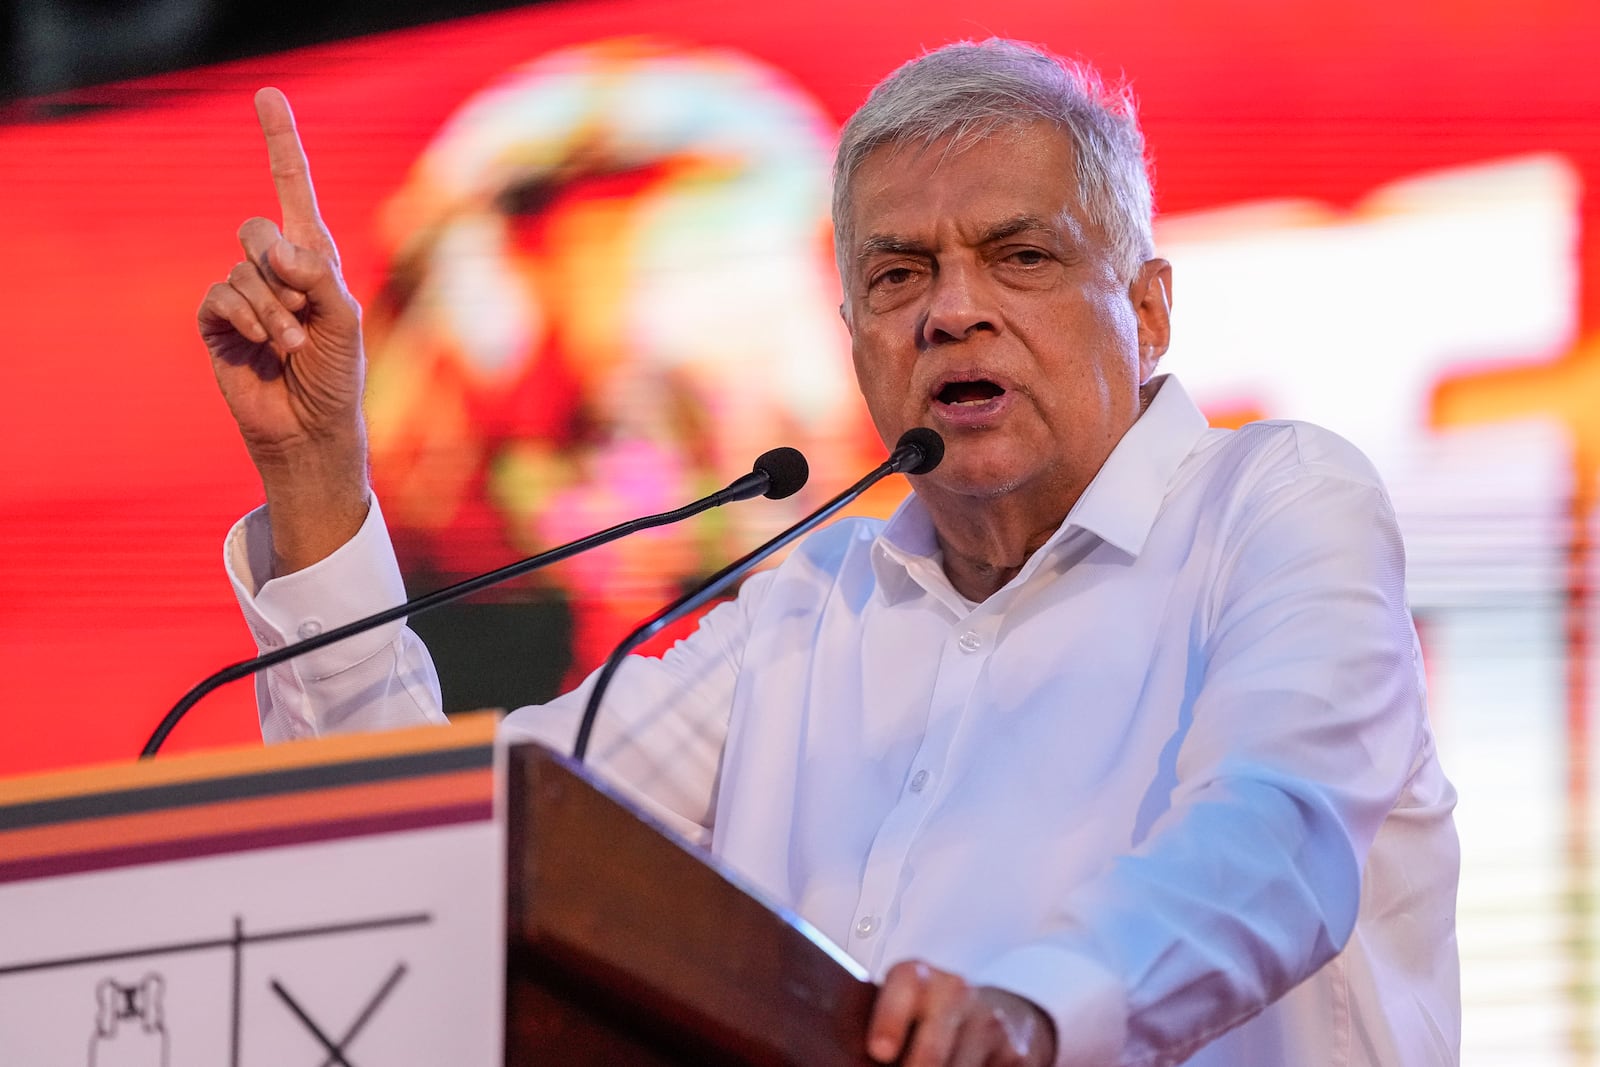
(464,731)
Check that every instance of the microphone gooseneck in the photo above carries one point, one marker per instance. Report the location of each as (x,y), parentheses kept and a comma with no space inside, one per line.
(777,473)
(918,451)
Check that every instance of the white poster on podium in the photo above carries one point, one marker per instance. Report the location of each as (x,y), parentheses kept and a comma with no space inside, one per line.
(326,903)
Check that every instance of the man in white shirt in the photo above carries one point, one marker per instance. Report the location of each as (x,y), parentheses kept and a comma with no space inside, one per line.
(1109,747)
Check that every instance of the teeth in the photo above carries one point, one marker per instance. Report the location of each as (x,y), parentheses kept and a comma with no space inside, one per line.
(968,393)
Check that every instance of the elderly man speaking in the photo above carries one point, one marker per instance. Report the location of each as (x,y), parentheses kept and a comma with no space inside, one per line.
(1109,747)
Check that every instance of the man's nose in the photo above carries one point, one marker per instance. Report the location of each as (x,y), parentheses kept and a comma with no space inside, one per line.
(959,305)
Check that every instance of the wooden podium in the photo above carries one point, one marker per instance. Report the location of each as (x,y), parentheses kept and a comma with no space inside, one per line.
(341,901)
(624,947)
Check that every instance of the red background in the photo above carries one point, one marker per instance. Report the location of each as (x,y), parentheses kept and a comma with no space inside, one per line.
(121,471)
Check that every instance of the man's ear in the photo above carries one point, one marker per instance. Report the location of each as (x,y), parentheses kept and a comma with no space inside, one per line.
(1151,295)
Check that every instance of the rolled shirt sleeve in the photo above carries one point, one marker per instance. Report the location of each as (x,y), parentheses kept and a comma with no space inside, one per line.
(378,680)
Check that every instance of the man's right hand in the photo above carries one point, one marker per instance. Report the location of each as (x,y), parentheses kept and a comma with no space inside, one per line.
(285,342)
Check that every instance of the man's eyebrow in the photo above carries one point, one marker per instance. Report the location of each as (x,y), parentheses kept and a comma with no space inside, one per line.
(892,245)
(1013,226)
(887,244)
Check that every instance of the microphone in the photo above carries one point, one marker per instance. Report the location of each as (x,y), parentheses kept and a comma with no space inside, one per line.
(918,451)
(775,474)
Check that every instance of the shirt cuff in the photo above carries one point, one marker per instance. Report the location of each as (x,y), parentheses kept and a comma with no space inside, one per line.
(1084,1000)
(360,578)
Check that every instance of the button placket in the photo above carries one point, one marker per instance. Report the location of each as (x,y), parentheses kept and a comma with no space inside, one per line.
(884,870)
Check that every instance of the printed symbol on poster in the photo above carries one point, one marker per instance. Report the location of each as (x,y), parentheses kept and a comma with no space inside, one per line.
(128,1028)
(130,1025)
(336,1049)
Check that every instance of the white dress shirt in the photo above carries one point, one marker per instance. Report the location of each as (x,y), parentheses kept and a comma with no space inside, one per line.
(1174,783)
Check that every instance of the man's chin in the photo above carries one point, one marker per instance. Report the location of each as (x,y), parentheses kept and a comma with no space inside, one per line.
(961,477)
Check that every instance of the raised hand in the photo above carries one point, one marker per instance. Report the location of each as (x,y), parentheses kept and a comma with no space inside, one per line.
(925,1017)
(285,342)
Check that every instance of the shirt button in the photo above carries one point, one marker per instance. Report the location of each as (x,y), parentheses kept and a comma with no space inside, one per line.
(919,780)
(309,629)
(866,926)
(970,642)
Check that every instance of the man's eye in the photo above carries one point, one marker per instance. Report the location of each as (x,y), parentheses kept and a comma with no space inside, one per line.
(892,277)
(1028,257)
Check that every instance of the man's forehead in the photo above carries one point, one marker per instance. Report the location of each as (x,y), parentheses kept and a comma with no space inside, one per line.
(933,152)
(1032,165)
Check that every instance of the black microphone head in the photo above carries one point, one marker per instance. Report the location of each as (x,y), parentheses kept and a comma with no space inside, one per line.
(786,470)
(928,443)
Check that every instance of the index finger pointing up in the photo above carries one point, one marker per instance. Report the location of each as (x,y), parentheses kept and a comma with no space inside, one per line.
(291,174)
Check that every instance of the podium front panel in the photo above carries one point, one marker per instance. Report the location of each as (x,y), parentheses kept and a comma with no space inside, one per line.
(316,902)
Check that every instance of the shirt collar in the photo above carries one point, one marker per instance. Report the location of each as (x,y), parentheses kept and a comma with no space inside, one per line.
(1119,506)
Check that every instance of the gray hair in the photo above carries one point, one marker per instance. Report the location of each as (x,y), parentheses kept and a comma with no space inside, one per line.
(969,90)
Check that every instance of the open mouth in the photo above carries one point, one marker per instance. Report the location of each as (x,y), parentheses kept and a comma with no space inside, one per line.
(980,391)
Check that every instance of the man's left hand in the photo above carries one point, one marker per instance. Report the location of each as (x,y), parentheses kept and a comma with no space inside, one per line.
(933,1018)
